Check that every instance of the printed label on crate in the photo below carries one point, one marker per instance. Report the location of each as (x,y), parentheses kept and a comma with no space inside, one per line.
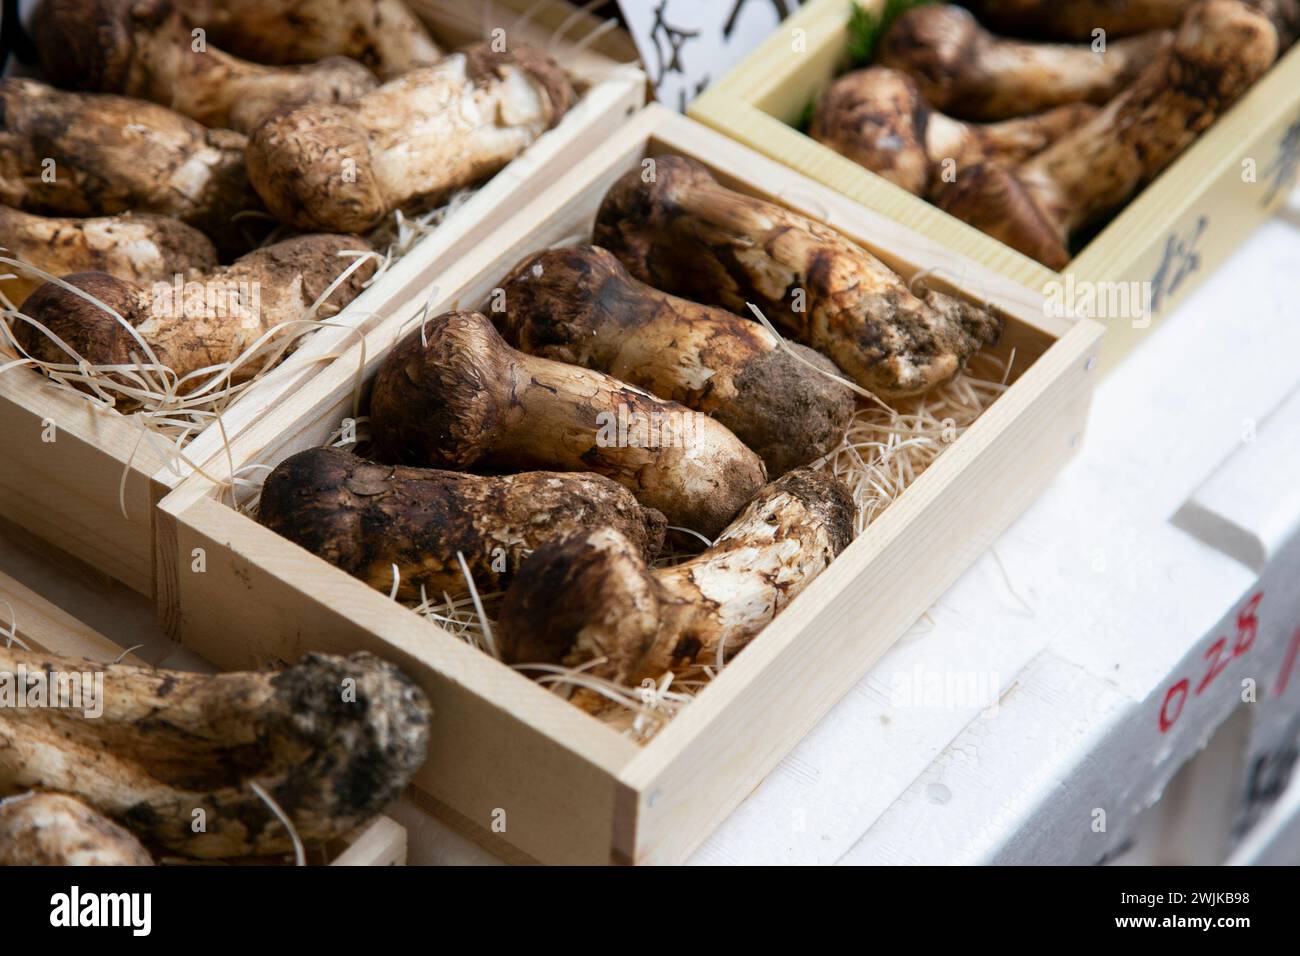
(686,45)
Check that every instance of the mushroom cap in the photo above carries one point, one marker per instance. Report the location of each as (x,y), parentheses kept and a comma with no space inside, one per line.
(581,597)
(877,118)
(54,829)
(93,333)
(311,165)
(90,44)
(933,45)
(436,399)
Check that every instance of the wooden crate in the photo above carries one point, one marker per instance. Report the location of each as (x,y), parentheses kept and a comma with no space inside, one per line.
(92,490)
(1171,235)
(567,788)
(43,626)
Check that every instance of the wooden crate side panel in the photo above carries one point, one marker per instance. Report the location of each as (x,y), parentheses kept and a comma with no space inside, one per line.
(67,490)
(712,755)
(46,627)
(502,751)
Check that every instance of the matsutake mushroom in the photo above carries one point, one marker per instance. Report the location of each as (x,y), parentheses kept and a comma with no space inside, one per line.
(590,600)
(1221,49)
(144,48)
(140,248)
(579,305)
(370,519)
(453,394)
(877,118)
(331,740)
(681,231)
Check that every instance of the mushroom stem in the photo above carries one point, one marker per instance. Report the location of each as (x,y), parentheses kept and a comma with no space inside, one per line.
(369,519)
(454,395)
(590,597)
(174,755)
(970,73)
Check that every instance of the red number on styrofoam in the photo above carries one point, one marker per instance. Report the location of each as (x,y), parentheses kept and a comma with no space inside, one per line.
(1247,630)
(1247,626)
(1179,693)
(1217,663)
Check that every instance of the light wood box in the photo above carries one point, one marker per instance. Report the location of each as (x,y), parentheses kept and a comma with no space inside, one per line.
(93,490)
(1173,234)
(573,790)
(43,626)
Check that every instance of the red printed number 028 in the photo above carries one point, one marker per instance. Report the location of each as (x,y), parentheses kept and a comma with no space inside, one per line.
(1217,656)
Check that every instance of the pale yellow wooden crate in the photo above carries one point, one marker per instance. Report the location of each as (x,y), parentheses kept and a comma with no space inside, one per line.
(1172,235)
(43,626)
(564,787)
(88,479)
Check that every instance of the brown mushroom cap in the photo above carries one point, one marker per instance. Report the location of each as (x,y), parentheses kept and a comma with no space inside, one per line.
(93,333)
(435,401)
(90,44)
(311,165)
(877,118)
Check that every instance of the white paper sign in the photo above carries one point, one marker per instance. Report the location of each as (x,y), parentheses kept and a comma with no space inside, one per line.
(687,44)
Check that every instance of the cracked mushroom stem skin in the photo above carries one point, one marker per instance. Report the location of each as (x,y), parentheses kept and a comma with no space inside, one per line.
(468,399)
(687,234)
(411,143)
(969,73)
(591,595)
(210,322)
(114,154)
(579,305)
(171,742)
(139,248)
(365,518)
(878,118)
(383,35)
(143,48)
(1220,50)
(53,829)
